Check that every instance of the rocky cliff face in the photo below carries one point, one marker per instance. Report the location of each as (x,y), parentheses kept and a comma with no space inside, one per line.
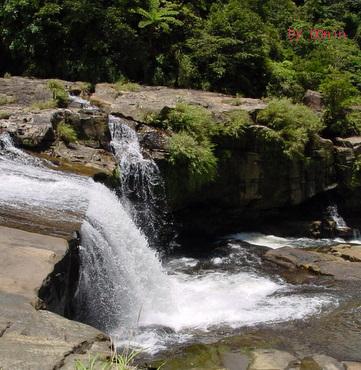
(254,179)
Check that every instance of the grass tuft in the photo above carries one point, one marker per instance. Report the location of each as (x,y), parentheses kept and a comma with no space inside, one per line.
(66,133)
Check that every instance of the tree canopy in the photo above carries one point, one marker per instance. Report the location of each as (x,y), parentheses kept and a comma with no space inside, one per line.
(232,46)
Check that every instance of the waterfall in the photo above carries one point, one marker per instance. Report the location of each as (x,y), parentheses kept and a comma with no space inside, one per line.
(339,221)
(123,288)
(120,274)
(141,186)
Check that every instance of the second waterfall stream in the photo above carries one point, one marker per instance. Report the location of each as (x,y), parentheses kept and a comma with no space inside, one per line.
(124,289)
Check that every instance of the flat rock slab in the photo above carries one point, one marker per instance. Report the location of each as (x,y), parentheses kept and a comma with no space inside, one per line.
(81,159)
(348,252)
(315,262)
(264,359)
(352,365)
(135,104)
(26,259)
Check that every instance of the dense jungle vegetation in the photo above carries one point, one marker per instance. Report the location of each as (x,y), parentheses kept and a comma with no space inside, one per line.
(234,46)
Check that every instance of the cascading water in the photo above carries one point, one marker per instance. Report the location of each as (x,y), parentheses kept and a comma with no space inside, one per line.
(141,185)
(123,288)
(339,221)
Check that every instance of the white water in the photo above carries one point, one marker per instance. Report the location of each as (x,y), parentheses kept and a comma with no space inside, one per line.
(275,242)
(123,287)
(141,184)
(339,221)
(79,102)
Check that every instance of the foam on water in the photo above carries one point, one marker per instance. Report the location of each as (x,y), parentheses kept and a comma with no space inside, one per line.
(275,242)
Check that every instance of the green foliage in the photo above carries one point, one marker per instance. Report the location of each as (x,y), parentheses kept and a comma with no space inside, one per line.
(7,75)
(228,51)
(229,46)
(193,119)
(41,105)
(6,99)
(4,115)
(60,95)
(197,157)
(294,123)
(284,80)
(235,124)
(126,86)
(124,361)
(337,90)
(66,133)
(159,16)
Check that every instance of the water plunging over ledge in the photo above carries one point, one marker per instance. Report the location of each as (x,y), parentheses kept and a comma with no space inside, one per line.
(123,288)
(142,189)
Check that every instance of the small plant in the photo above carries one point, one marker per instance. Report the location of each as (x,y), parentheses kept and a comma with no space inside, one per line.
(41,105)
(124,85)
(7,75)
(4,115)
(124,361)
(60,95)
(66,133)
(6,99)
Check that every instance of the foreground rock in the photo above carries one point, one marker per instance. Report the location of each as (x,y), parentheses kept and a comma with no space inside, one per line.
(31,339)
(332,264)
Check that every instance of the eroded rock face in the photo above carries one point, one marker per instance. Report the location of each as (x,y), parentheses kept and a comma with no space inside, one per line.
(32,339)
(31,130)
(36,129)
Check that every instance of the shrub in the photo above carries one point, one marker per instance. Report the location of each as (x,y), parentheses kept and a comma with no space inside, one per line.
(7,75)
(194,119)
(235,124)
(66,133)
(295,124)
(60,95)
(197,157)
